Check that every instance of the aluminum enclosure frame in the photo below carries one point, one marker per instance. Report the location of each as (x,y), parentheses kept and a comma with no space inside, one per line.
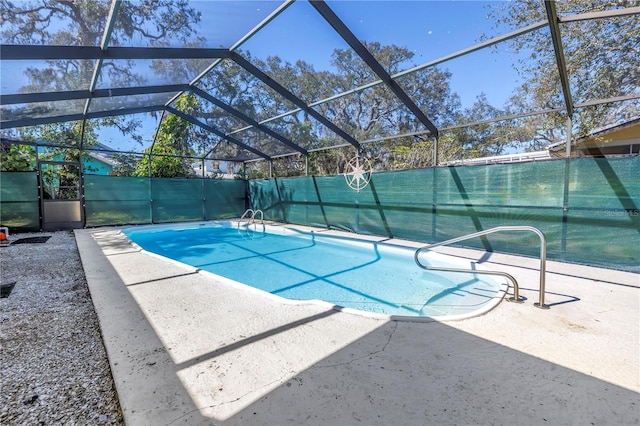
(102,52)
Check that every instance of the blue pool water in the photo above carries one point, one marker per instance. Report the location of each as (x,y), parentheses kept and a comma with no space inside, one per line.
(351,273)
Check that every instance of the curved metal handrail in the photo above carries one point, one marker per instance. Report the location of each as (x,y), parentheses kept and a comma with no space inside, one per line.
(261,216)
(246,213)
(250,215)
(516,289)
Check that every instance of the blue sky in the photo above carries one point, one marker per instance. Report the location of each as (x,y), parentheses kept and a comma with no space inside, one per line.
(430,29)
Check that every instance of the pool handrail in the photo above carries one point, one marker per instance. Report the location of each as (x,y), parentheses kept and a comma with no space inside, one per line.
(246,212)
(251,219)
(516,289)
(261,216)
(253,215)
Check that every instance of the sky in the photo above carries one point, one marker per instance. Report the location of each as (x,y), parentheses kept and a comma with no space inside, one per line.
(430,29)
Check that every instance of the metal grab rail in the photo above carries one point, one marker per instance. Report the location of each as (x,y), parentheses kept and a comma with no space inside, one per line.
(516,289)
(253,213)
(251,218)
(261,216)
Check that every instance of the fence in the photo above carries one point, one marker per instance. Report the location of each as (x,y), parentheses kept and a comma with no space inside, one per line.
(19,201)
(113,200)
(587,207)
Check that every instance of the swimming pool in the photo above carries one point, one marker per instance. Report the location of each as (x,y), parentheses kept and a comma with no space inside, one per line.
(351,273)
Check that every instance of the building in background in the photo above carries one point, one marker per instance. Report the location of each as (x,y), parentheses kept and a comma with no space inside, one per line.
(618,139)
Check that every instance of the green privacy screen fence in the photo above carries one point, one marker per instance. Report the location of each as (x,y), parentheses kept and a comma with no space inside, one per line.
(19,201)
(113,200)
(587,207)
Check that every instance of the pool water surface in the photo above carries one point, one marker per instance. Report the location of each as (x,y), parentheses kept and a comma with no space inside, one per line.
(351,273)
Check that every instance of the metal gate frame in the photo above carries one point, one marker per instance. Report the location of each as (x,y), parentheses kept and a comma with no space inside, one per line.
(61,213)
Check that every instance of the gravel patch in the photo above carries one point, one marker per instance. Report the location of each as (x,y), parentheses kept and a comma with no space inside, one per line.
(53,365)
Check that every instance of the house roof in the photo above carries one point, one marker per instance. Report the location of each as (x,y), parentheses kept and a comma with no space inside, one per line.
(625,134)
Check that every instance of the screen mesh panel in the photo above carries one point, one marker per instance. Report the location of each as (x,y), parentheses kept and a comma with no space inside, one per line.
(113,200)
(587,207)
(177,200)
(223,199)
(19,203)
(116,200)
(582,205)
(603,220)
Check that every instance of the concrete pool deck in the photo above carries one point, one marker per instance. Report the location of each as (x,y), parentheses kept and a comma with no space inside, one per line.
(185,348)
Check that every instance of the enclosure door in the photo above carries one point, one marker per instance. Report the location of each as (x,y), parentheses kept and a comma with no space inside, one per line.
(60,196)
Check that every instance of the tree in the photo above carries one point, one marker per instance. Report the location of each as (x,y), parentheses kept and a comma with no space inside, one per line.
(81,23)
(412,156)
(125,164)
(169,156)
(17,158)
(366,115)
(65,140)
(376,113)
(490,138)
(602,60)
